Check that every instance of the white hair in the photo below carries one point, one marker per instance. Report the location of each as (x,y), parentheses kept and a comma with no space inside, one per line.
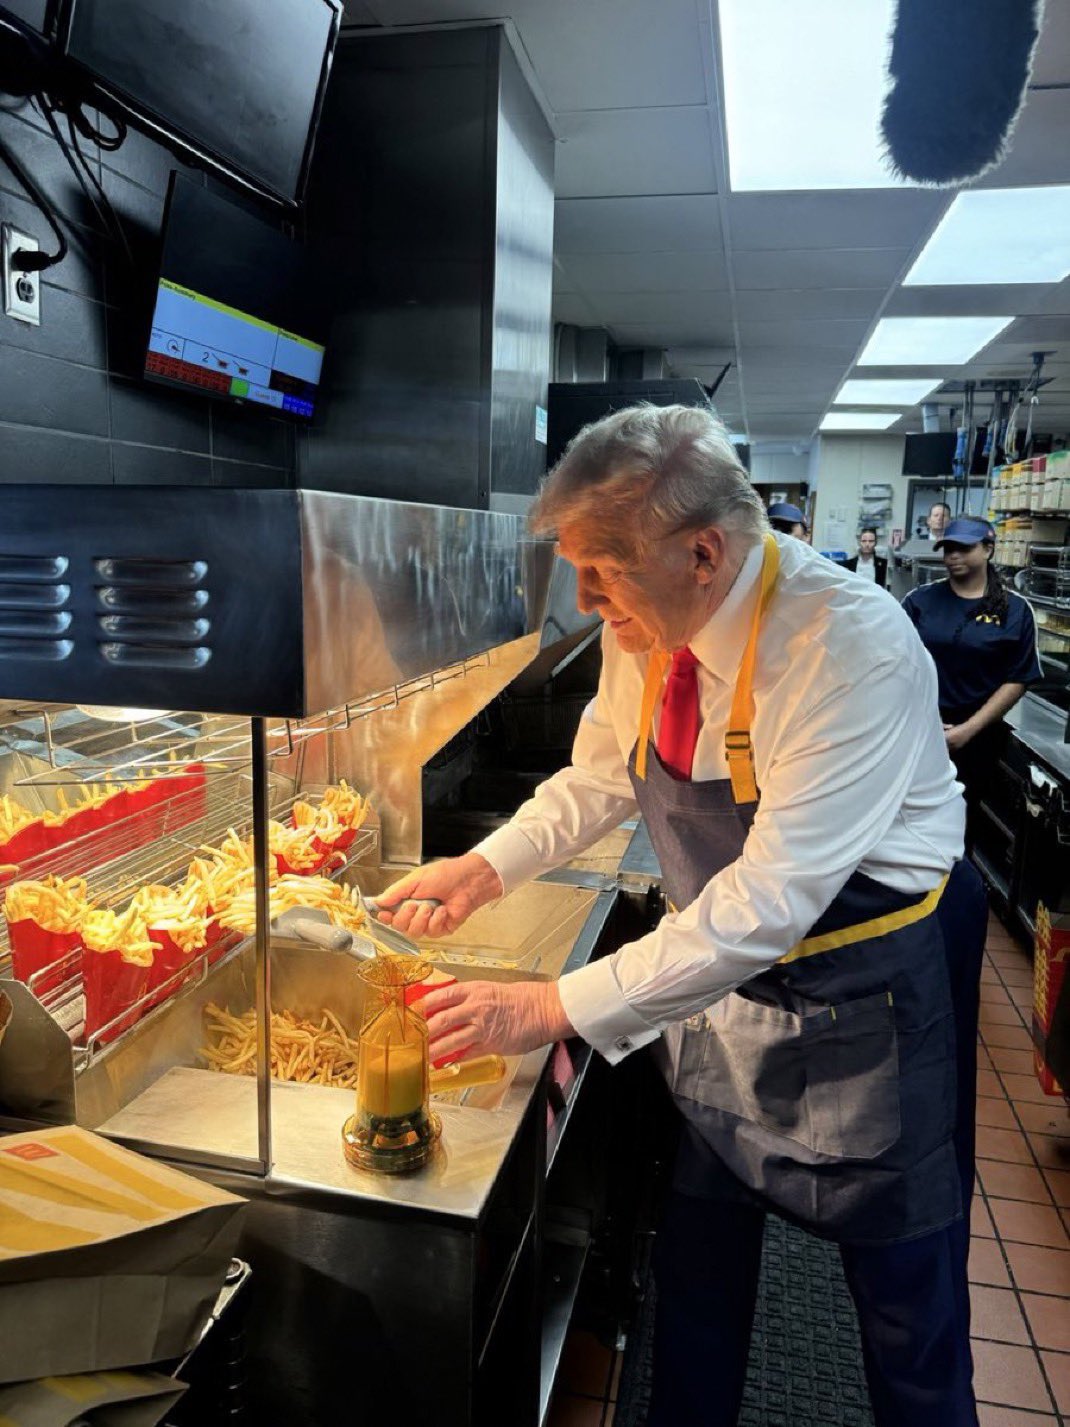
(647,472)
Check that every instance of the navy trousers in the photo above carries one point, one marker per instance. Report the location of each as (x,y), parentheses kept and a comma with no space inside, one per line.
(912,1299)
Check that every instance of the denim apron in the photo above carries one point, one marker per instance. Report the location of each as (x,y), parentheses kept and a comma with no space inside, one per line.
(824,1087)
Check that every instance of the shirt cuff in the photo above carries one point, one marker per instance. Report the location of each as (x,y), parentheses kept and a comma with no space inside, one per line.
(596,1008)
(512,854)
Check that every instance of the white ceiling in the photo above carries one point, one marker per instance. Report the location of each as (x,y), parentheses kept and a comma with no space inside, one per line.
(786,286)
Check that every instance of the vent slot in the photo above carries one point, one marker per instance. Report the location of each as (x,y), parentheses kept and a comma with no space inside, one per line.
(145,656)
(131,629)
(183,604)
(167,574)
(33,623)
(151,613)
(33,614)
(41,650)
(33,596)
(40,569)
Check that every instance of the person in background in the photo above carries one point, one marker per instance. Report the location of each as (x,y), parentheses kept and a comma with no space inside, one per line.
(983,640)
(813,985)
(939,515)
(867,563)
(788,519)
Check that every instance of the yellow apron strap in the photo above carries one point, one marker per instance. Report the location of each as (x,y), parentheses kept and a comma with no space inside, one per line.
(867,931)
(658,662)
(738,750)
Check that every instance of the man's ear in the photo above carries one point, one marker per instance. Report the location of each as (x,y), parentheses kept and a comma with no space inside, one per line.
(708,551)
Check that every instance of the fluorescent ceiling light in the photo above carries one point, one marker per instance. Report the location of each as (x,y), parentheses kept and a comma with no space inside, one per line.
(877,391)
(793,127)
(998,235)
(929,341)
(858,420)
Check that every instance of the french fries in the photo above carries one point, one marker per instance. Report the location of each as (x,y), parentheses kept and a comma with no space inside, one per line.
(300,1050)
(341,904)
(13,816)
(177,911)
(125,932)
(55,904)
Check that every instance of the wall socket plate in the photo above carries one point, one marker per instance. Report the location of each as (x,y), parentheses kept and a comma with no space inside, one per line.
(22,291)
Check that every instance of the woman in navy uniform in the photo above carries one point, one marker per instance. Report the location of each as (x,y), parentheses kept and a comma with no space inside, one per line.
(983,641)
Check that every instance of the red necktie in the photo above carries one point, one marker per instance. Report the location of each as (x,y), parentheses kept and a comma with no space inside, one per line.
(678,731)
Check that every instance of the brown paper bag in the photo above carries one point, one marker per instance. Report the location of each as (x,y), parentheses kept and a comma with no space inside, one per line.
(107,1259)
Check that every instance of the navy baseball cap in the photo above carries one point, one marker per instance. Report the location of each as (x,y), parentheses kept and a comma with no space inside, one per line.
(781,510)
(965,530)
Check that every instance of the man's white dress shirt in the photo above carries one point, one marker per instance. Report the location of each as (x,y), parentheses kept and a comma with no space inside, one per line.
(866,567)
(851,762)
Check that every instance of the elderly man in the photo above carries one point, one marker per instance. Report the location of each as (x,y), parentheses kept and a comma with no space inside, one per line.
(775,721)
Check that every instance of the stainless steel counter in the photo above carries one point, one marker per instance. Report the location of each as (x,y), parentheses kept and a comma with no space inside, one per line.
(1042,728)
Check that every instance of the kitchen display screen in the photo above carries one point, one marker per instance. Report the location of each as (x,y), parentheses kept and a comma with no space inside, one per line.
(235,314)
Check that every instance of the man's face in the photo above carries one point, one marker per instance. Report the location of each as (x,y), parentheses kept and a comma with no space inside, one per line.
(867,542)
(937,519)
(652,601)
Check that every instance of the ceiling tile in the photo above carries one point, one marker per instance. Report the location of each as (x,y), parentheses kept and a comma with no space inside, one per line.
(670,334)
(713,308)
(689,223)
(897,218)
(772,305)
(1038,145)
(634,151)
(707,356)
(648,272)
(780,336)
(1051,62)
(574,307)
(996,301)
(817,267)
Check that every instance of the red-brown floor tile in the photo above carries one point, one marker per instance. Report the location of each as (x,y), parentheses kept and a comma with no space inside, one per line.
(995,1315)
(1057,1366)
(1023,1087)
(1037,1270)
(1010,963)
(996,1114)
(1051,1151)
(569,1411)
(1009,1145)
(1059,1184)
(990,976)
(585,1364)
(987,1265)
(1049,1319)
(981,1225)
(1016,976)
(614,1386)
(1007,1038)
(1023,1223)
(990,1416)
(1004,1014)
(1009,1375)
(611,1412)
(1012,1181)
(993,994)
(989,1083)
(1018,1062)
(1048,1119)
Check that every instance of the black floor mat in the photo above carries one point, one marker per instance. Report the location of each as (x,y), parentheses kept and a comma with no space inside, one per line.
(805,1359)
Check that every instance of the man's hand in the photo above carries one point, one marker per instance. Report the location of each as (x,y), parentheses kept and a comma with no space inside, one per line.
(485,1017)
(957,735)
(461,884)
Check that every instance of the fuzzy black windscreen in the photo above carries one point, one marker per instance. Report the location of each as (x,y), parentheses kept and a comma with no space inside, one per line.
(959,69)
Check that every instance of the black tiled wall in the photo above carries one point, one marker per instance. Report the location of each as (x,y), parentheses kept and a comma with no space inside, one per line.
(73,405)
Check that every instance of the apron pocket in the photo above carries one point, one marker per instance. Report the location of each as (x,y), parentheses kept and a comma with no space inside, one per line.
(827,1077)
(853,1080)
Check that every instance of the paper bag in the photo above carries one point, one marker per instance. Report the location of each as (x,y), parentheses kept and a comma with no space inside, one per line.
(105,1399)
(107,1259)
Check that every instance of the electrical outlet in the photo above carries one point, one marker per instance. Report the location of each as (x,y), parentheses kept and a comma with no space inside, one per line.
(22,291)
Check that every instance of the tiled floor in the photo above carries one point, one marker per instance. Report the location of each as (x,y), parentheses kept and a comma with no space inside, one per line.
(1020,1259)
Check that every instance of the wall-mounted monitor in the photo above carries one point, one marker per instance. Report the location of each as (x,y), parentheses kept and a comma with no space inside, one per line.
(234,84)
(238,313)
